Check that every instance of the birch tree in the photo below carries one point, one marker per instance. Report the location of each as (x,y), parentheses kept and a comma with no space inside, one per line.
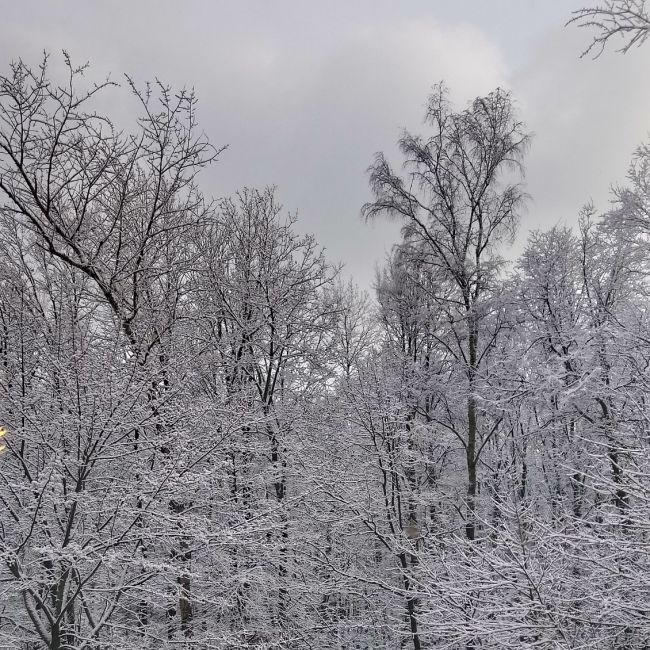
(457,201)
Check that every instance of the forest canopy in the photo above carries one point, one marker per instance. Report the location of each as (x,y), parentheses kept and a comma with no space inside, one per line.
(210,439)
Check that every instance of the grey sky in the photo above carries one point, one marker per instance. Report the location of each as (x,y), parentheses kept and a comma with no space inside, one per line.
(305,92)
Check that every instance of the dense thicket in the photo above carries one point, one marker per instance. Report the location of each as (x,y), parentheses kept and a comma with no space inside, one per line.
(213,442)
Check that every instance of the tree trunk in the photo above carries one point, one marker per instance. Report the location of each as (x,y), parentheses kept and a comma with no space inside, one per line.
(470,450)
(411,604)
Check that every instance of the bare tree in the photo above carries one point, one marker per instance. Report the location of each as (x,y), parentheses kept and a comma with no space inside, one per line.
(102,201)
(457,202)
(120,211)
(267,322)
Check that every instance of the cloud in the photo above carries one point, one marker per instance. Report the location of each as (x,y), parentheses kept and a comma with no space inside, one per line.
(588,116)
(306,93)
(314,132)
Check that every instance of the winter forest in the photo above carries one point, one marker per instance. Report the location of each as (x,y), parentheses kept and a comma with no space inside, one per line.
(212,439)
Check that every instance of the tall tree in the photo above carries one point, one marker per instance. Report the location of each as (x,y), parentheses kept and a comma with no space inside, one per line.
(457,201)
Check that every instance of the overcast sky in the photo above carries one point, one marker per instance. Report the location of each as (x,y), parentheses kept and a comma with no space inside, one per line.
(305,92)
